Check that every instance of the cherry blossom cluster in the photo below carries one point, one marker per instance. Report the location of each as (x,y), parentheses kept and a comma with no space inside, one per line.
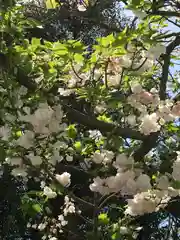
(54,225)
(104,157)
(44,120)
(136,59)
(153,112)
(131,181)
(41,125)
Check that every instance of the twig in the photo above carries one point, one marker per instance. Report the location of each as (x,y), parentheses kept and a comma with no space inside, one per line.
(77,75)
(105,74)
(106,199)
(176,24)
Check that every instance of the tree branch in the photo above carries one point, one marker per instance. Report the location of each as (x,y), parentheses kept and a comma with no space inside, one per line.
(166,13)
(76,116)
(151,141)
(92,123)
(147,145)
(165,67)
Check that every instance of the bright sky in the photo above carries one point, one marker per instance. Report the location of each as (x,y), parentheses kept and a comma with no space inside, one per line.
(172,28)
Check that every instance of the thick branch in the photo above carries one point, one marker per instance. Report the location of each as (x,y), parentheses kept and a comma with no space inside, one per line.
(170,35)
(165,68)
(147,145)
(166,13)
(151,141)
(92,123)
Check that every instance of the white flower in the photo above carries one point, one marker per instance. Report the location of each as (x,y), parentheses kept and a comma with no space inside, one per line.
(15,161)
(41,117)
(53,238)
(124,177)
(113,80)
(41,226)
(35,160)
(112,183)
(19,172)
(139,14)
(156,51)
(65,92)
(10,118)
(27,110)
(163,183)
(141,204)
(125,61)
(58,112)
(69,158)
(123,230)
(123,182)
(49,193)
(71,209)
(143,183)
(22,91)
(108,156)
(176,170)
(44,113)
(5,133)
(165,112)
(26,140)
(64,179)
(94,134)
(54,126)
(123,161)
(98,186)
(131,120)
(130,188)
(136,88)
(34,226)
(149,124)
(61,217)
(28,225)
(43,184)
(64,223)
(173,192)
(103,157)
(98,157)
(81,8)
(55,157)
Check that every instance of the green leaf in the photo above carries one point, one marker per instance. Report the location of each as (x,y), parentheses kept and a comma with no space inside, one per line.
(37,207)
(35,193)
(78,146)
(88,149)
(136,2)
(78,58)
(103,218)
(57,188)
(104,119)
(51,4)
(154,177)
(35,41)
(19,133)
(60,49)
(116,236)
(71,130)
(106,41)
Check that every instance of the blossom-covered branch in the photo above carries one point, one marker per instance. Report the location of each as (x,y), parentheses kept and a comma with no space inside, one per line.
(76,116)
